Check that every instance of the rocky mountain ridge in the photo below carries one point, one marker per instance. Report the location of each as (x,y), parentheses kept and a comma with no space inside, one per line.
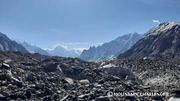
(33,49)
(163,42)
(111,49)
(8,45)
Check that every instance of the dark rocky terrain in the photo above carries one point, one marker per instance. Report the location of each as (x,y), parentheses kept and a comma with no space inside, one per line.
(6,44)
(25,76)
(163,42)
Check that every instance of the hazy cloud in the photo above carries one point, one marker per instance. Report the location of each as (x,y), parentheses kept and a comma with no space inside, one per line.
(65,47)
(156,21)
(47,49)
(81,49)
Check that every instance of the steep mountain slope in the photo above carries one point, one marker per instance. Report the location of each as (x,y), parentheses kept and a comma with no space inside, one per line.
(163,42)
(112,48)
(150,30)
(33,49)
(6,44)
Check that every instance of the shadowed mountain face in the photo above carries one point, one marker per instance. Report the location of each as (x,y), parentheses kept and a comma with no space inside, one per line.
(6,44)
(163,42)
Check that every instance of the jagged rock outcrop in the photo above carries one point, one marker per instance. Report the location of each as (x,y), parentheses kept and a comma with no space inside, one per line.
(163,42)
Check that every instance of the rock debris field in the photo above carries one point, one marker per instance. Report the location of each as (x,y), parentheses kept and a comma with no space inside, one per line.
(34,77)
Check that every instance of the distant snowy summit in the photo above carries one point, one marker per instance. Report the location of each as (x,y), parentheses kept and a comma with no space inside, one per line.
(59,50)
(63,52)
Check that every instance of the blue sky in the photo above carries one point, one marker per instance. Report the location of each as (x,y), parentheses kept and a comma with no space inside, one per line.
(82,23)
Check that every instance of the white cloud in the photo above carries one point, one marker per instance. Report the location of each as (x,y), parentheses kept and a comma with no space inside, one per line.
(156,21)
(47,49)
(81,49)
(65,47)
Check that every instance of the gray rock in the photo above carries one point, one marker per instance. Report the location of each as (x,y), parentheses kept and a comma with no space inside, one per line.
(28,94)
(114,70)
(49,91)
(69,80)
(84,82)
(10,86)
(47,99)
(83,96)
(31,77)
(40,85)
(17,82)
(53,68)
(64,98)
(5,66)
(5,77)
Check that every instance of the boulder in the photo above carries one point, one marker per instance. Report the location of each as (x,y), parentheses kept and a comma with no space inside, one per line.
(115,70)
(40,85)
(18,83)
(5,77)
(84,82)
(5,66)
(68,80)
(53,68)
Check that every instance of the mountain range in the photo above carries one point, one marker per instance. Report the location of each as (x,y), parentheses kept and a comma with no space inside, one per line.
(163,42)
(32,49)
(59,50)
(113,48)
(8,45)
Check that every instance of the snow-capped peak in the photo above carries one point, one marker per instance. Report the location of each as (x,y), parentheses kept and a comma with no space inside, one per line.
(165,26)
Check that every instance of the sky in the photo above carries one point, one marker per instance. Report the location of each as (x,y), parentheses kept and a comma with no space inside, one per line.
(78,24)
